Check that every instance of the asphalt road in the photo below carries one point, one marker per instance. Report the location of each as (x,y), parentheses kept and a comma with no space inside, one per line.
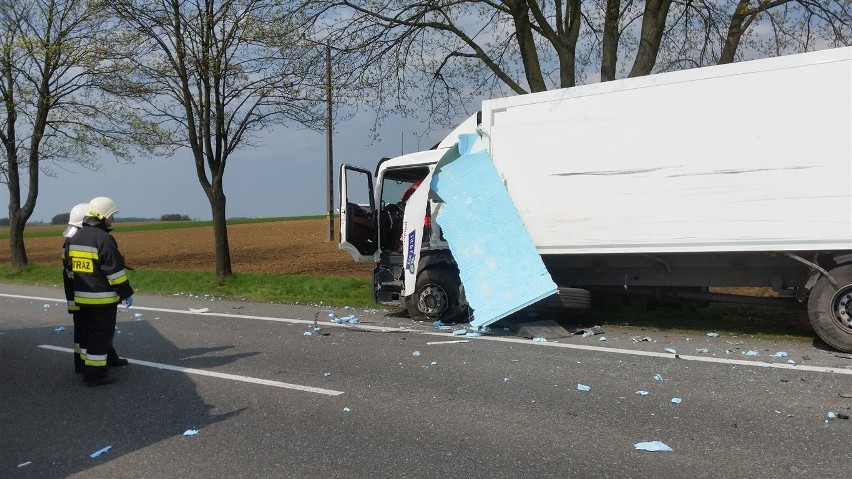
(394,398)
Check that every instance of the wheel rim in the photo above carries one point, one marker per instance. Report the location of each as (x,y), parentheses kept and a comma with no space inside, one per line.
(432,301)
(841,308)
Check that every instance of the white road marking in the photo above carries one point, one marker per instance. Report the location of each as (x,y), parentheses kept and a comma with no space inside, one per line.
(704,359)
(233,377)
(448,342)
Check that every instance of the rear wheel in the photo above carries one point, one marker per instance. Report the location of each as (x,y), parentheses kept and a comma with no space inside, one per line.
(436,296)
(830,308)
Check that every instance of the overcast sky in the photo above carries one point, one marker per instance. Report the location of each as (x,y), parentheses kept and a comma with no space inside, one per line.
(284,177)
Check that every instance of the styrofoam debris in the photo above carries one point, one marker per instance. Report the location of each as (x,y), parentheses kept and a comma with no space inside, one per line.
(602,338)
(790,361)
(442,326)
(670,350)
(750,353)
(830,416)
(416,353)
(138,315)
(190,432)
(712,335)
(653,446)
(308,333)
(539,340)
(25,464)
(100,451)
(59,329)
(346,409)
(657,377)
(326,374)
(460,332)
(46,306)
(677,400)
(583,387)
(641,393)
(780,354)
(473,334)
(702,350)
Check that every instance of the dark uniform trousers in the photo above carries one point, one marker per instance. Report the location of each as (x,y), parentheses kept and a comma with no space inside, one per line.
(99,325)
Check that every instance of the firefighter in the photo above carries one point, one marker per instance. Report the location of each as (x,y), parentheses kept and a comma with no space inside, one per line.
(99,282)
(75,222)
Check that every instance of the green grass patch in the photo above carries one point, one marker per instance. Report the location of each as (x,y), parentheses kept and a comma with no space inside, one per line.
(301,289)
(40,231)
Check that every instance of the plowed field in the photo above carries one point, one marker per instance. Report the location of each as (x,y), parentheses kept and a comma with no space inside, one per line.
(282,247)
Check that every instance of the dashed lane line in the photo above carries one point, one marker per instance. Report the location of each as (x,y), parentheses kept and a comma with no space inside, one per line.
(232,377)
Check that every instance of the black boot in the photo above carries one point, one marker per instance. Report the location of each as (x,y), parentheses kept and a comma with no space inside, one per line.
(113,361)
(97,376)
(78,363)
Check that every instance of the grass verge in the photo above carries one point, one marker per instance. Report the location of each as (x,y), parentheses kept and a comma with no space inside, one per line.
(354,292)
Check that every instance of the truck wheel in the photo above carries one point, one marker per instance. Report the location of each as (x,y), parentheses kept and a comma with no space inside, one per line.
(830,308)
(436,296)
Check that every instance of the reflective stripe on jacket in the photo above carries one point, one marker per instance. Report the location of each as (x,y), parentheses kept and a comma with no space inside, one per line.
(96,267)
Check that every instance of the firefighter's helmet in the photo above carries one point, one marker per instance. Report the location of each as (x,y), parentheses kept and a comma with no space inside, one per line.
(102,207)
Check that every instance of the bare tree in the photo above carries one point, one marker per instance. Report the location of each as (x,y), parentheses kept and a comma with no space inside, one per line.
(52,53)
(217,73)
(443,54)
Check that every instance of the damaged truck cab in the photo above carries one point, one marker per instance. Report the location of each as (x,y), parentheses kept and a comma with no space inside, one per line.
(371,229)
(664,188)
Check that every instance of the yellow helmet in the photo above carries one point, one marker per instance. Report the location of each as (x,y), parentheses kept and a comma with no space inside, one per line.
(102,207)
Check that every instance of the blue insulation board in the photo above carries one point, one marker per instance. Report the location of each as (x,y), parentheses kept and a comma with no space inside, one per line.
(500,269)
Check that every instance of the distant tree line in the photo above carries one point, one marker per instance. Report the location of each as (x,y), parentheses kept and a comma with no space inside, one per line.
(62,218)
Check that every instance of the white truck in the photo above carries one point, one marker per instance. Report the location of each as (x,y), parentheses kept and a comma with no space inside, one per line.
(661,187)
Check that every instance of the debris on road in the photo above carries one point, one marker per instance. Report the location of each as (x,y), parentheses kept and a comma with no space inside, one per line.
(442,326)
(25,464)
(750,353)
(670,350)
(190,432)
(548,329)
(416,353)
(583,387)
(653,446)
(780,354)
(59,329)
(639,339)
(677,400)
(712,335)
(657,377)
(593,331)
(100,451)
(702,350)
(346,409)
(641,393)
(199,310)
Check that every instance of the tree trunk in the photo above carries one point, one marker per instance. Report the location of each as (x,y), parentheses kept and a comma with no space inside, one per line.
(526,45)
(653,26)
(16,243)
(220,233)
(609,54)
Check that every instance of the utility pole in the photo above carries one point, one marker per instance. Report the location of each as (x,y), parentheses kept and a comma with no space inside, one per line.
(329,150)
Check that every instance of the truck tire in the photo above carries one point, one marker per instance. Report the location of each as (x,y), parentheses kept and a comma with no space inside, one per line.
(436,296)
(830,308)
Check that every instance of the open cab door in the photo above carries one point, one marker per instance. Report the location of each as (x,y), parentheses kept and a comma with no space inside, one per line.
(358,225)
